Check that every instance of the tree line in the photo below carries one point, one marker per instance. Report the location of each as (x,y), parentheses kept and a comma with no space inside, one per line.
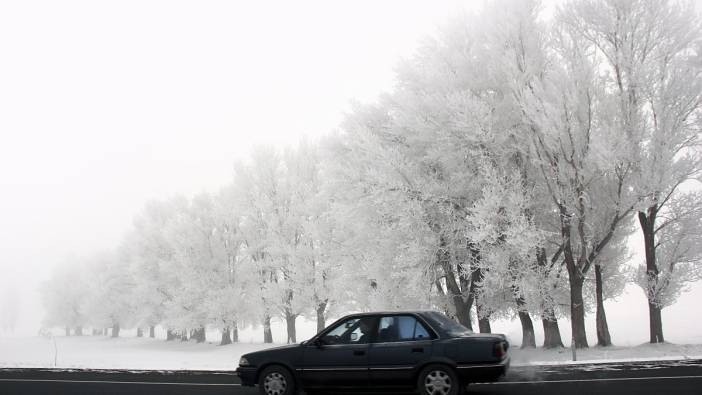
(502,177)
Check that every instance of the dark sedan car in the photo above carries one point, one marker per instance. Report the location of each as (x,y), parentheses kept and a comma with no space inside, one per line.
(422,350)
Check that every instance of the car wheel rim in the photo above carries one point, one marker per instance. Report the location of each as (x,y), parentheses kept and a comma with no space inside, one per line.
(275,384)
(437,382)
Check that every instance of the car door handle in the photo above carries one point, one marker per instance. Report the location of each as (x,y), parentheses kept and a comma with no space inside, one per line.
(359,352)
(418,349)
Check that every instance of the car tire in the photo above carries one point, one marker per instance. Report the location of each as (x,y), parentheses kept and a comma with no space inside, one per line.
(276,380)
(439,379)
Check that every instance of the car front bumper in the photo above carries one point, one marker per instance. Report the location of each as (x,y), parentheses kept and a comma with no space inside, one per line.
(247,375)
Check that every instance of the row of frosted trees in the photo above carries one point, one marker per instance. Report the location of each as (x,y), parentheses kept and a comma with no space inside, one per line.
(502,177)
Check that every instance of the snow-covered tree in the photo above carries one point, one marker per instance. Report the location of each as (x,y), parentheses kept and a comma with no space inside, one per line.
(651,53)
(271,235)
(151,255)
(497,179)
(574,140)
(110,302)
(502,227)
(65,296)
(9,308)
(229,304)
(199,265)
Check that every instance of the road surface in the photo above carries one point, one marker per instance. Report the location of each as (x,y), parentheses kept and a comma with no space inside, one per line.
(667,377)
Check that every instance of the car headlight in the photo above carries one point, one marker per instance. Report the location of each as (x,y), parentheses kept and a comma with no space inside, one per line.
(244,362)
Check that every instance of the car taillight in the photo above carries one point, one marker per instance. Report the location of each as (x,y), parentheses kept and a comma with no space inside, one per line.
(499,350)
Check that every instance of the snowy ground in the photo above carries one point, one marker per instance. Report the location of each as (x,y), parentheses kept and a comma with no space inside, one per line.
(643,352)
(100,352)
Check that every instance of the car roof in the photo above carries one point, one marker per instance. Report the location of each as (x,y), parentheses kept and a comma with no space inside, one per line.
(395,312)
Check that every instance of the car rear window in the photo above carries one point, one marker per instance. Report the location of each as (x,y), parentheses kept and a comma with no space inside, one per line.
(446,324)
(399,328)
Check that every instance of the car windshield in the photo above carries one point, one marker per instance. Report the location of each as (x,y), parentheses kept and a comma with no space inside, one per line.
(447,325)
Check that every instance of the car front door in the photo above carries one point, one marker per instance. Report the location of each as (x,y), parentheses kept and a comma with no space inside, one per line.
(402,343)
(340,357)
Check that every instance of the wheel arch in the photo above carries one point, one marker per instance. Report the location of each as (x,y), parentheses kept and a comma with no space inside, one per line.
(435,361)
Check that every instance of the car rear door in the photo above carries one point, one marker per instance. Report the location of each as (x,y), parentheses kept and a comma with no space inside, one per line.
(402,343)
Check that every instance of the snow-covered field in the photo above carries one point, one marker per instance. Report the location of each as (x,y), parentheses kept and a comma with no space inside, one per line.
(643,352)
(100,352)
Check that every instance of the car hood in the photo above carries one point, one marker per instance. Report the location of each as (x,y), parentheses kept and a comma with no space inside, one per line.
(296,345)
(272,350)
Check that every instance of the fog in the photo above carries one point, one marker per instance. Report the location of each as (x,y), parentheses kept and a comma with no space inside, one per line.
(104,106)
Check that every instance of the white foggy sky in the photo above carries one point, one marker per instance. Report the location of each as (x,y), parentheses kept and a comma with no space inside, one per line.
(107,104)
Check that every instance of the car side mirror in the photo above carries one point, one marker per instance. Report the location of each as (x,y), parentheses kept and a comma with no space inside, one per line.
(318,343)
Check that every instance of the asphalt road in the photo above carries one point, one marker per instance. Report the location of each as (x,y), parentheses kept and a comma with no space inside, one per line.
(671,377)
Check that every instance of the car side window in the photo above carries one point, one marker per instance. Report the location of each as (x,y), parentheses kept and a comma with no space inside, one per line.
(351,331)
(401,328)
(420,331)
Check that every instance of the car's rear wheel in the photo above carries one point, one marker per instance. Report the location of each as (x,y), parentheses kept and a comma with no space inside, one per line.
(439,380)
(276,380)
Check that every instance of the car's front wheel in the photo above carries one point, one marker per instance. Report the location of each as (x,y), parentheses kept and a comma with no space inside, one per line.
(439,380)
(276,380)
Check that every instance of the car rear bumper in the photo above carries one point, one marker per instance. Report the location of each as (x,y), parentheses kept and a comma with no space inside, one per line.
(247,375)
(481,373)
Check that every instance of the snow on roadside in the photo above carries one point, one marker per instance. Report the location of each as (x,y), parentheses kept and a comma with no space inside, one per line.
(122,353)
(99,352)
(643,352)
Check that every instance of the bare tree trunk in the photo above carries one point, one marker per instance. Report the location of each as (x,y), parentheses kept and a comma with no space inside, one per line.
(552,334)
(577,311)
(267,333)
(170,335)
(152,331)
(184,335)
(290,326)
(456,285)
(483,317)
(603,337)
(226,337)
(79,331)
(321,307)
(199,335)
(655,323)
(68,330)
(115,329)
(140,332)
(484,323)
(575,280)
(460,304)
(105,331)
(235,333)
(528,337)
(647,221)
